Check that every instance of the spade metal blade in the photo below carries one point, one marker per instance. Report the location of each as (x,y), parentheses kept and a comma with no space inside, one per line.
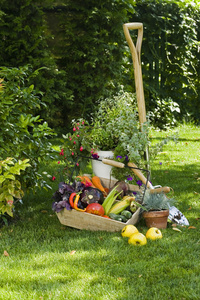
(176,216)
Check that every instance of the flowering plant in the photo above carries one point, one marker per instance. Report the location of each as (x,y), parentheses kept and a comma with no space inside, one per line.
(76,151)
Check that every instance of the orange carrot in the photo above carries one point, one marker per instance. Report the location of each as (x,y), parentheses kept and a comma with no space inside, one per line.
(86,180)
(97,183)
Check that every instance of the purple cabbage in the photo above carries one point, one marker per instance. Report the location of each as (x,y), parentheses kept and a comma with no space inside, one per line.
(58,206)
(61,196)
(64,187)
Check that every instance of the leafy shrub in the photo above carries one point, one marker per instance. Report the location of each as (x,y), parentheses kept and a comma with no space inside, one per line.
(112,116)
(88,45)
(116,127)
(23,134)
(10,186)
(163,113)
(23,35)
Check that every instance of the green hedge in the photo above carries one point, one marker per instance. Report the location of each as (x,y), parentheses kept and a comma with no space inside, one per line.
(170,52)
(81,48)
(24,34)
(88,45)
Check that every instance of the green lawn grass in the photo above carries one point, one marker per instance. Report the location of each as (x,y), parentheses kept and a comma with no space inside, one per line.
(50,261)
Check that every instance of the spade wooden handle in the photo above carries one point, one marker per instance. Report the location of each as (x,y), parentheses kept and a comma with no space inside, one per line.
(113,163)
(136,57)
(139,174)
(164,189)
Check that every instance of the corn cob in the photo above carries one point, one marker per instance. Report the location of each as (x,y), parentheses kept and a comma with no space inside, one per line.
(109,200)
(118,207)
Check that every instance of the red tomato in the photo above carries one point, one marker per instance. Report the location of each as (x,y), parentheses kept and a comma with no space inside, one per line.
(95,209)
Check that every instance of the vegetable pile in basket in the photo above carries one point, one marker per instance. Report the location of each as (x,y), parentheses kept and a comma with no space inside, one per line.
(90,196)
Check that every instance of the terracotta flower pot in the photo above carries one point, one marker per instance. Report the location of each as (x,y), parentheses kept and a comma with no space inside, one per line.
(156,219)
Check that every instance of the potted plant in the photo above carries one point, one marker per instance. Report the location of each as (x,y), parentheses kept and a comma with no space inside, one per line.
(156,209)
(116,128)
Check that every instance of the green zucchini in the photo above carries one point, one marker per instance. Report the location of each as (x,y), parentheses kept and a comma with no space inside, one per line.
(124,219)
(126,213)
(116,217)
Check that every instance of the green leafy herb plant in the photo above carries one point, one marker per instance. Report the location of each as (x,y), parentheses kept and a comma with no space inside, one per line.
(116,127)
(156,201)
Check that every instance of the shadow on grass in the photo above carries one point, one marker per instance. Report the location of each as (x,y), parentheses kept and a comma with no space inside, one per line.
(181,177)
(179,139)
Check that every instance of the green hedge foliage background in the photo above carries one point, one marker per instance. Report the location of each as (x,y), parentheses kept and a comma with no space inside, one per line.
(83,55)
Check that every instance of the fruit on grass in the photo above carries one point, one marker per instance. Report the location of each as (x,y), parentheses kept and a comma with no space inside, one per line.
(129,230)
(153,233)
(95,208)
(137,239)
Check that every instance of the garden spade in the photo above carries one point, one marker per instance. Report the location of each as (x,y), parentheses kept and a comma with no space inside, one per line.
(136,58)
(174,214)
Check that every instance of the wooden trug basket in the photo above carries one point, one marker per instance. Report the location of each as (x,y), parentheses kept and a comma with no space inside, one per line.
(87,221)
